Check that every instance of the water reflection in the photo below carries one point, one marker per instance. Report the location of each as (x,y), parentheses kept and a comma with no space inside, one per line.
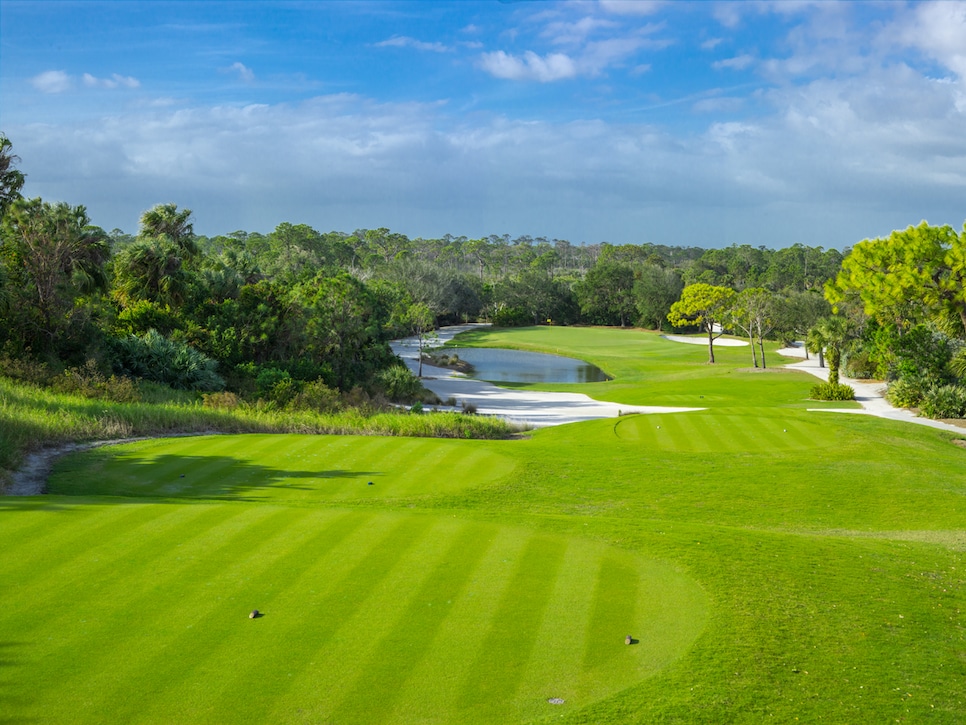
(517,366)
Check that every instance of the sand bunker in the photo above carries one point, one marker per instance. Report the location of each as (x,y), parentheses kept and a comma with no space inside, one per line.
(703,340)
(526,407)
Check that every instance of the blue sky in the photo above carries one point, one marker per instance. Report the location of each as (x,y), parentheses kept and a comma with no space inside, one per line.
(708,124)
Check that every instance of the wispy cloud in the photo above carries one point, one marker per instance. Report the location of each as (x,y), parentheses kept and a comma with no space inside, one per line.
(115,81)
(739,62)
(403,41)
(529,66)
(58,81)
(632,7)
(245,74)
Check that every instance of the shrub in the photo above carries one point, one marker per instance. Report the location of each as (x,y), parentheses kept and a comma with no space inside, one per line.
(267,379)
(907,392)
(154,357)
(833,391)
(88,381)
(23,368)
(316,395)
(860,366)
(944,401)
(958,363)
(400,384)
(923,352)
(511,317)
(220,401)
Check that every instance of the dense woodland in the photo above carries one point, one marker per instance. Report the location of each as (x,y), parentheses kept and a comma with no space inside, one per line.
(303,317)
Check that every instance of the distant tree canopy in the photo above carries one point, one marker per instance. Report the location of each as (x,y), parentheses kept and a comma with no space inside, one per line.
(298,304)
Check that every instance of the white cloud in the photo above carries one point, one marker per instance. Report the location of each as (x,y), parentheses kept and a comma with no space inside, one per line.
(402,41)
(833,161)
(51,81)
(529,67)
(245,74)
(115,81)
(574,33)
(739,62)
(593,58)
(938,29)
(57,81)
(632,7)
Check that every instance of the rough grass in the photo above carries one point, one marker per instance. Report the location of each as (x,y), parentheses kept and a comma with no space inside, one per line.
(774,564)
(31,417)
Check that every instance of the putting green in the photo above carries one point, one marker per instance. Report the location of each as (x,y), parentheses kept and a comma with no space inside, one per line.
(283,468)
(140,610)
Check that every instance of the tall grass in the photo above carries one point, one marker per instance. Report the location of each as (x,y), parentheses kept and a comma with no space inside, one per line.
(33,417)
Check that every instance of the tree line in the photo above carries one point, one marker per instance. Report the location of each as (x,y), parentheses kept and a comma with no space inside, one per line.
(275,314)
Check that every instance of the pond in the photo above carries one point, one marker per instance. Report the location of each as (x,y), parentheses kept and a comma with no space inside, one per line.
(516,366)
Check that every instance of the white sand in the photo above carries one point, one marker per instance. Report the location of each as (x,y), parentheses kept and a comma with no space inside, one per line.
(531,408)
(703,340)
(539,409)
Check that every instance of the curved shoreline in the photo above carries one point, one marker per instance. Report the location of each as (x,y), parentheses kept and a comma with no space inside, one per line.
(525,407)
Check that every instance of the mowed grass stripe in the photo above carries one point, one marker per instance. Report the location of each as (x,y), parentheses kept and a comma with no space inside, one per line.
(556,665)
(612,614)
(384,675)
(725,432)
(433,693)
(733,433)
(224,474)
(98,560)
(235,654)
(286,468)
(497,672)
(306,614)
(57,543)
(381,613)
(677,433)
(342,620)
(142,610)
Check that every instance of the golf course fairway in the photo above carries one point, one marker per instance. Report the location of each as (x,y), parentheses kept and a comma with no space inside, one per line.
(770,563)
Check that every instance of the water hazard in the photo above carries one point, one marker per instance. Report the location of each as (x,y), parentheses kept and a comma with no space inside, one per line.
(516,366)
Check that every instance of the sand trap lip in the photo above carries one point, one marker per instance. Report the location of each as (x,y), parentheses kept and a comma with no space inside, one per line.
(721,341)
(525,407)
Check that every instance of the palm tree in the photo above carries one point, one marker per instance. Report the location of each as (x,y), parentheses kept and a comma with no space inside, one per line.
(832,333)
(164,221)
(57,255)
(11,180)
(150,269)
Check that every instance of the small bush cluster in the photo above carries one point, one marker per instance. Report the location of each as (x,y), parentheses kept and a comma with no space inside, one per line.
(832,391)
(152,356)
(907,392)
(944,401)
(511,317)
(400,385)
(90,383)
(220,401)
(24,368)
(860,366)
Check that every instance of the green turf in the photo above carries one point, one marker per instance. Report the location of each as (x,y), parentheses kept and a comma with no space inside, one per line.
(141,612)
(774,564)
